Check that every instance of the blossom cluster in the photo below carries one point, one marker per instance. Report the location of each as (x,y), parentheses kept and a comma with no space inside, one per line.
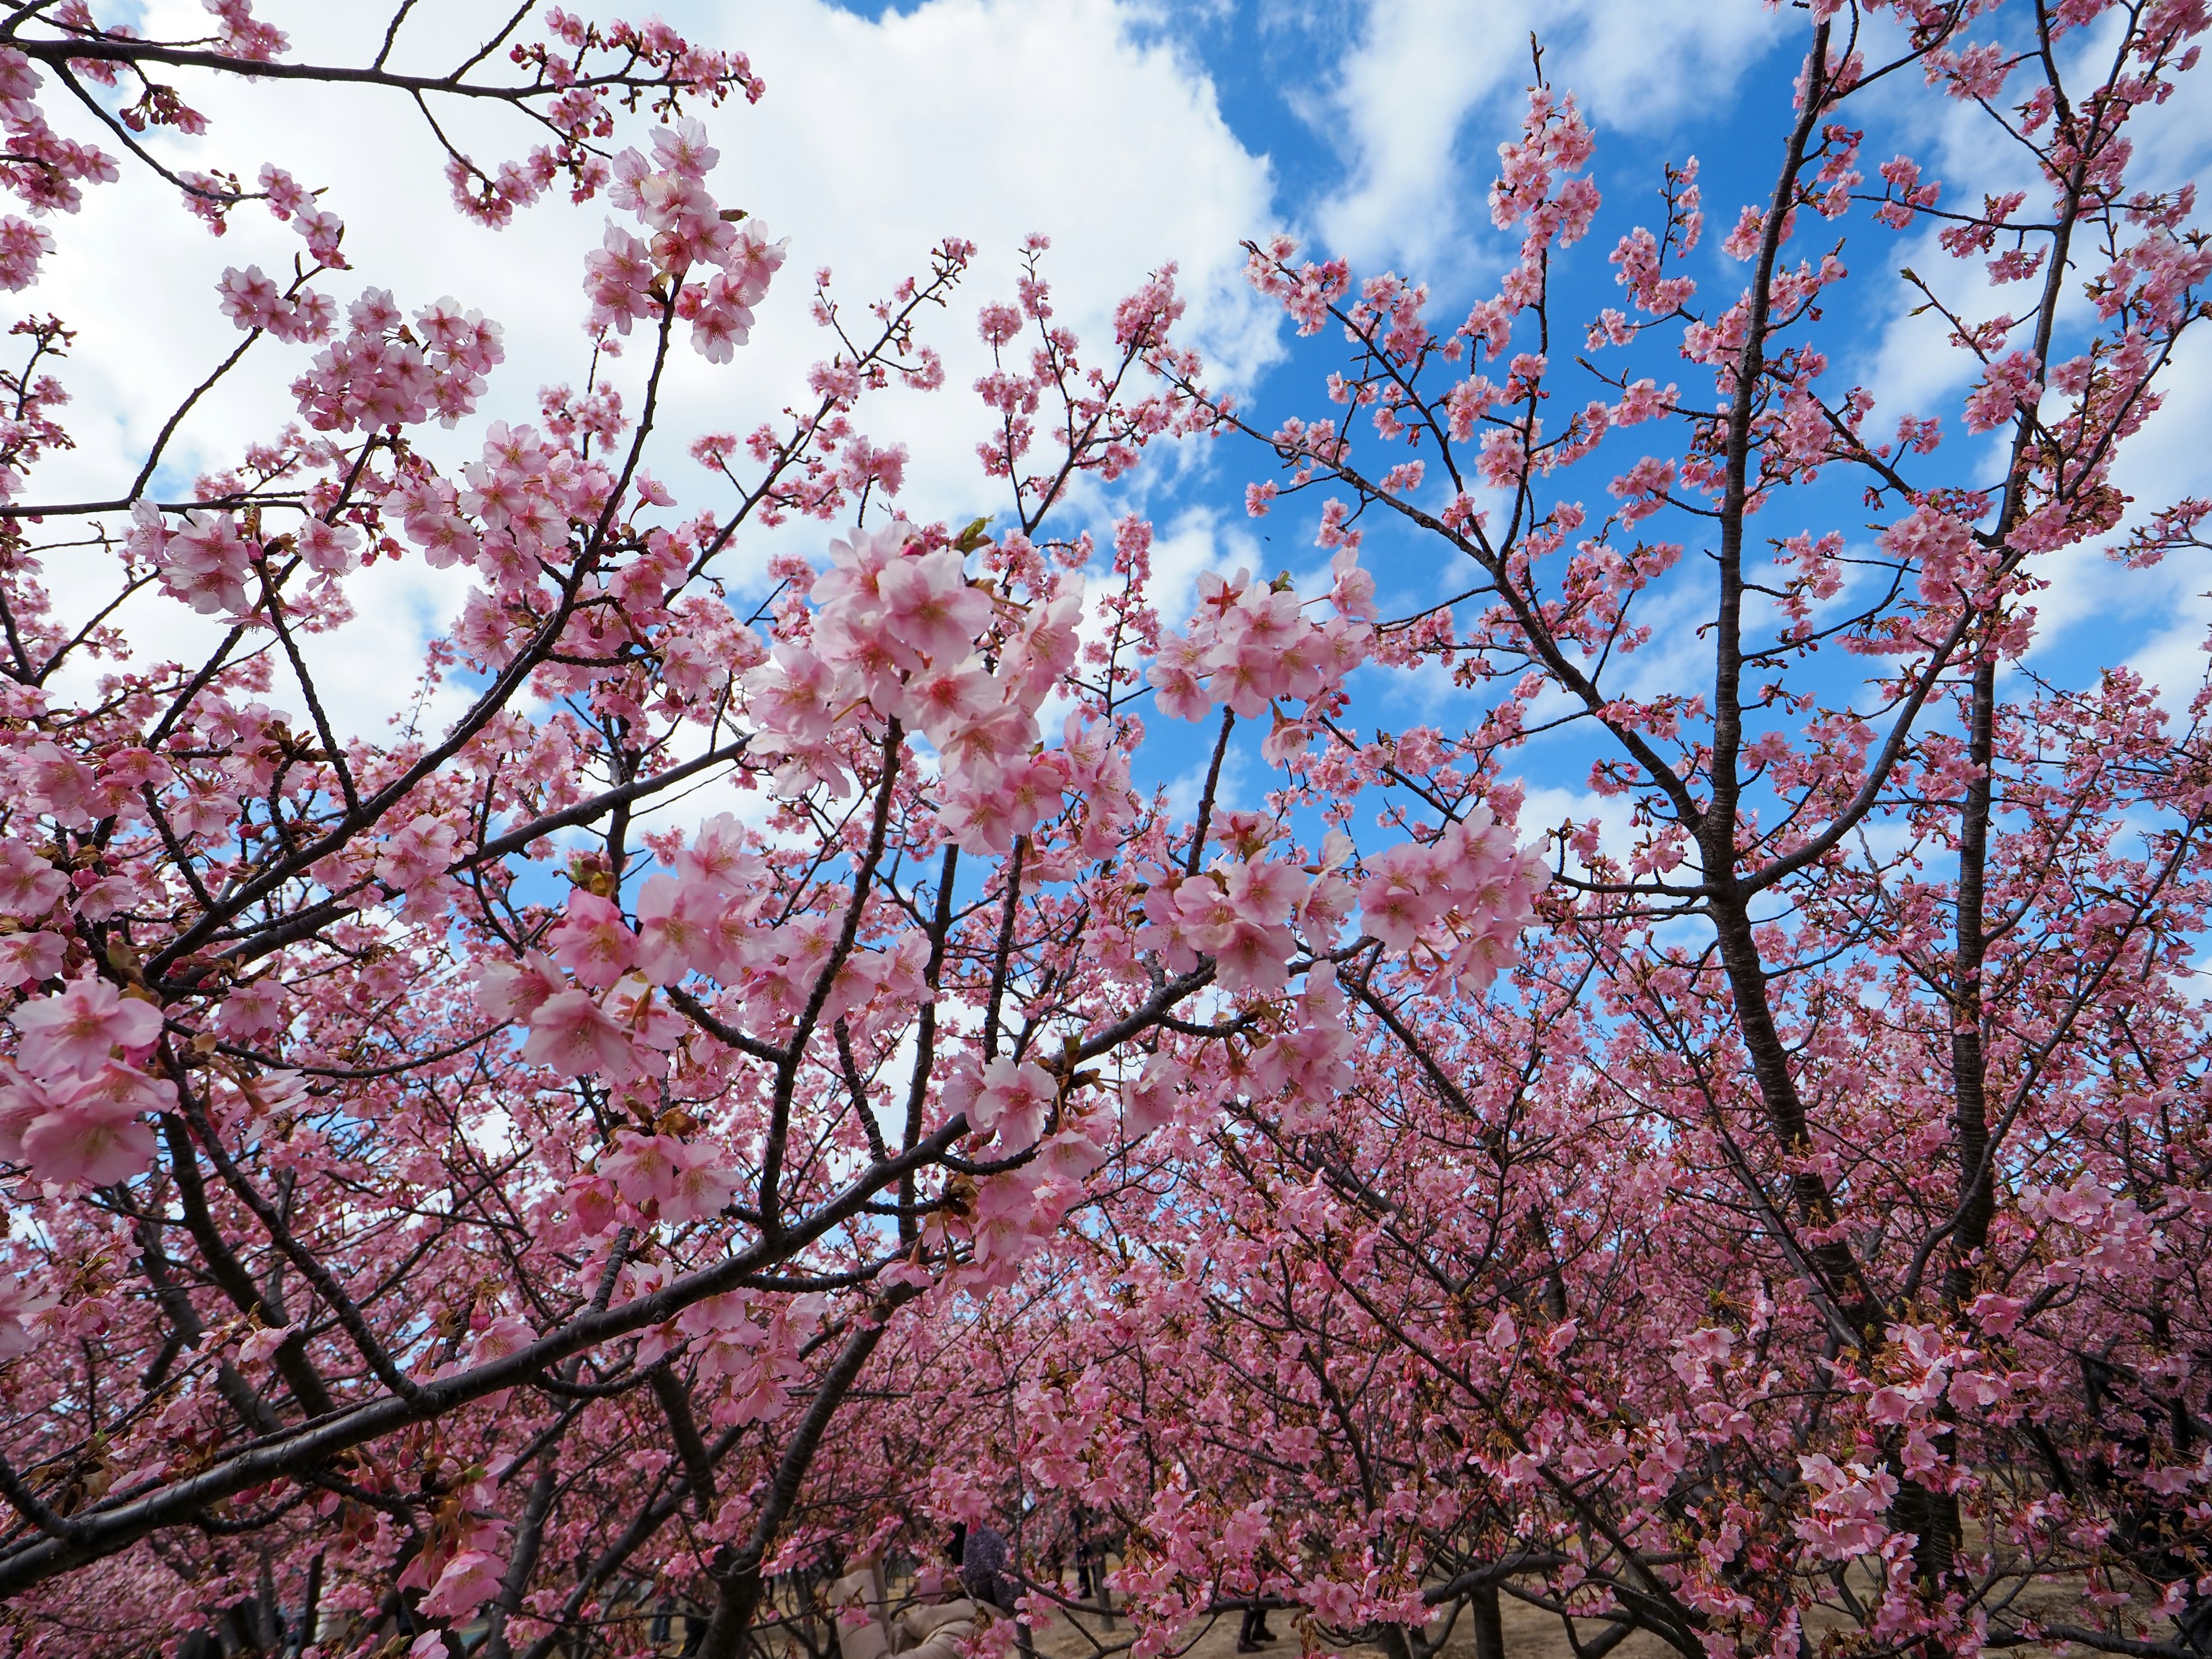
(1251,643)
(74,1101)
(897,631)
(629,278)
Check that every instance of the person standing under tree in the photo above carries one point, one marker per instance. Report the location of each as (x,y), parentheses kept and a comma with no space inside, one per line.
(983,1558)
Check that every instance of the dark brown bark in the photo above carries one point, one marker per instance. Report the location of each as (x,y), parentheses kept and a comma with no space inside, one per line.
(1484,1617)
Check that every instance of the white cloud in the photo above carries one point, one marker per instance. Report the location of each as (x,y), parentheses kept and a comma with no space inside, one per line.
(981,119)
(1195,542)
(1423,72)
(1547,807)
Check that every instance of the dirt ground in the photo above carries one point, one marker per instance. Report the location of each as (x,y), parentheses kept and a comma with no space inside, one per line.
(1530,1633)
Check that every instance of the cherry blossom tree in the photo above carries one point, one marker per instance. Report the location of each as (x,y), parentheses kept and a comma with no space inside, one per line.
(437,1198)
(448,1190)
(1805,1246)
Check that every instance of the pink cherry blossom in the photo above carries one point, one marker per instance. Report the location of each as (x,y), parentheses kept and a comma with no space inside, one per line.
(417,854)
(28,959)
(928,608)
(593,943)
(74,1030)
(1011,1097)
(572,1034)
(94,1135)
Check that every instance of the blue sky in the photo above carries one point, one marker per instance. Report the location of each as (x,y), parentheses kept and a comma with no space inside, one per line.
(1377,123)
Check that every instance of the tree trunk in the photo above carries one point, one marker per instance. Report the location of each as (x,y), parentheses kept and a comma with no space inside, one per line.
(1489,1627)
(738,1589)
